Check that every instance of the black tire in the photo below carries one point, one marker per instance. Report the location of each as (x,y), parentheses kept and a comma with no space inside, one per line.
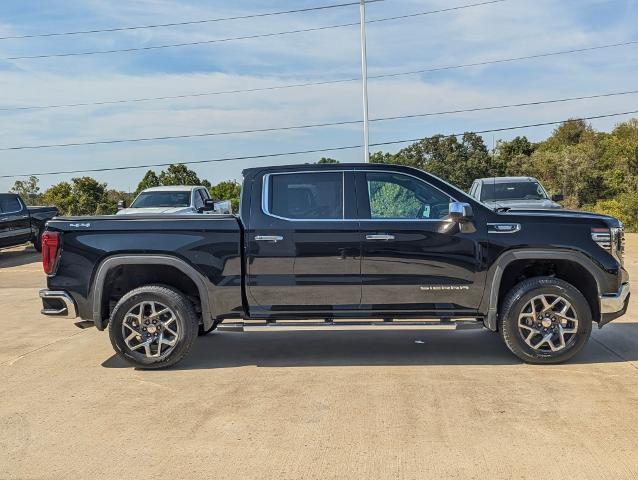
(203,331)
(520,296)
(37,241)
(186,319)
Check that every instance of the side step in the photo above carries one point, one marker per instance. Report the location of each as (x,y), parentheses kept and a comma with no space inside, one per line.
(333,324)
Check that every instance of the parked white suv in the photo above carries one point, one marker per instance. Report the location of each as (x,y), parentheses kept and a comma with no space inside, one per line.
(177,199)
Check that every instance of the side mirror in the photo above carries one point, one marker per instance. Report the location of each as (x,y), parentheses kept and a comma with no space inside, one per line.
(209,206)
(558,197)
(460,211)
(121,205)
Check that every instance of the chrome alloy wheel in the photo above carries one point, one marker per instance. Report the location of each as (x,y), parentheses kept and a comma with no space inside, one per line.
(548,323)
(152,327)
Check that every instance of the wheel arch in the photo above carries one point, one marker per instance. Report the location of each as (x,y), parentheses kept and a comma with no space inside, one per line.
(110,264)
(588,280)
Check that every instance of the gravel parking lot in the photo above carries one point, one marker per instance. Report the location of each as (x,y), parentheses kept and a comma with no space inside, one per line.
(290,405)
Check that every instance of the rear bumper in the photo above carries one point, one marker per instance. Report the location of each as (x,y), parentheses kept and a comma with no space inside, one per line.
(614,305)
(58,303)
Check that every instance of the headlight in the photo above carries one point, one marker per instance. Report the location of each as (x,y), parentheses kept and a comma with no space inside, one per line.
(611,239)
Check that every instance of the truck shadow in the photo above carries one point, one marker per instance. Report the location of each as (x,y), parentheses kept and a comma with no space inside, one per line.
(17,257)
(617,343)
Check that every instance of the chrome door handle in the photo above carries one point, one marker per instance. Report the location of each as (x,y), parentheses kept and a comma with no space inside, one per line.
(268,238)
(380,237)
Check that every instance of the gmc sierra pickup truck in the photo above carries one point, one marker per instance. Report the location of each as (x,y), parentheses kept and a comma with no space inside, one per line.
(386,246)
(21,224)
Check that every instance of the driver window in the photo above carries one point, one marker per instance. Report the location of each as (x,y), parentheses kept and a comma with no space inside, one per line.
(397,196)
(199,203)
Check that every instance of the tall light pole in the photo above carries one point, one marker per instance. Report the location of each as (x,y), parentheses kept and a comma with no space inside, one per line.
(364,79)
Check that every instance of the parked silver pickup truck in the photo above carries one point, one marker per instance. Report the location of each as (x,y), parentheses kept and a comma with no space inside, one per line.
(176,199)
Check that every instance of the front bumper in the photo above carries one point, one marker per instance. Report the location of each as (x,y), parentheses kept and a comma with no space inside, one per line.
(58,303)
(614,305)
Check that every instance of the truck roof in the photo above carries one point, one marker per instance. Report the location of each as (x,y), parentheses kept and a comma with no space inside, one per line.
(173,188)
(507,179)
(326,166)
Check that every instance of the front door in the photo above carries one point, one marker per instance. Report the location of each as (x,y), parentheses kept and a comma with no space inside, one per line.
(15,225)
(304,244)
(411,259)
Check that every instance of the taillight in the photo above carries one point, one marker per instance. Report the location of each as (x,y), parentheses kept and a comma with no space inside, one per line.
(50,246)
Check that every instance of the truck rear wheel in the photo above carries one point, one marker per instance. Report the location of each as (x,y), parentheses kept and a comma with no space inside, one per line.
(545,320)
(153,327)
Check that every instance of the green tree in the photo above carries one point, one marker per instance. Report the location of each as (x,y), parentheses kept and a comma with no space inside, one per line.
(150,180)
(83,196)
(28,190)
(228,190)
(327,160)
(178,174)
(458,162)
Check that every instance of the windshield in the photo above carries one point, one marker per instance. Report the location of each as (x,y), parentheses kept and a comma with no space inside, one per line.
(162,199)
(512,191)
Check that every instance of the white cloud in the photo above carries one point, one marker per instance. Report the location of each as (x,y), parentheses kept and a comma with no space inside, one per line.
(502,30)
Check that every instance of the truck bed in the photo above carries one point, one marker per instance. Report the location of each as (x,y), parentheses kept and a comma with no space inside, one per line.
(209,244)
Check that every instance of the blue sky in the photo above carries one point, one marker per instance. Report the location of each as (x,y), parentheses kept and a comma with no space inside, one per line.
(509,29)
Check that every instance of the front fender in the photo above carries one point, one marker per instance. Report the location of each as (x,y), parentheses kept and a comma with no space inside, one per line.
(494,276)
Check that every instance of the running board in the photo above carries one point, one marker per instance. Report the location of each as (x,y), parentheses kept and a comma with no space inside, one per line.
(387,324)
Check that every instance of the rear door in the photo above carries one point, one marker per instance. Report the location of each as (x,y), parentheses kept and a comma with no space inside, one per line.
(15,225)
(303,244)
(411,259)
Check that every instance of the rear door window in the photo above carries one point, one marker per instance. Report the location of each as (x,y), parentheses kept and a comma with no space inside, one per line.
(305,196)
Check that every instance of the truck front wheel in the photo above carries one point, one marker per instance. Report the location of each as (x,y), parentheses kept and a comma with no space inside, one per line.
(153,327)
(37,241)
(545,320)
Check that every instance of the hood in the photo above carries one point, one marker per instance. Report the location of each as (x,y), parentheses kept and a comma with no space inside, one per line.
(579,215)
(522,204)
(155,210)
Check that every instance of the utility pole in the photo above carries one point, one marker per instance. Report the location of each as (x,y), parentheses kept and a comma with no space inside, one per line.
(364,79)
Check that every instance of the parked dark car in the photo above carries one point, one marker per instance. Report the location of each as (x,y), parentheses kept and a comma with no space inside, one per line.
(21,224)
(339,245)
(513,192)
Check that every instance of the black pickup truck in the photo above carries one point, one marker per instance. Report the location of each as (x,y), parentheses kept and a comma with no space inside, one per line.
(319,246)
(21,224)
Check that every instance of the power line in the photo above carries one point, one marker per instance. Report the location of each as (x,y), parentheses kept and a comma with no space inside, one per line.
(512,59)
(314,125)
(318,150)
(245,37)
(324,82)
(191,22)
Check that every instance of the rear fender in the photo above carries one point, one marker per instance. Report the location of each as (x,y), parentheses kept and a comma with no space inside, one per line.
(115,261)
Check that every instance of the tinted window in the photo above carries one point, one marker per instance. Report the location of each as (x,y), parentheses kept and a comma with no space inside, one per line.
(9,203)
(307,195)
(162,199)
(400,196)
(198,200)
(513,191)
